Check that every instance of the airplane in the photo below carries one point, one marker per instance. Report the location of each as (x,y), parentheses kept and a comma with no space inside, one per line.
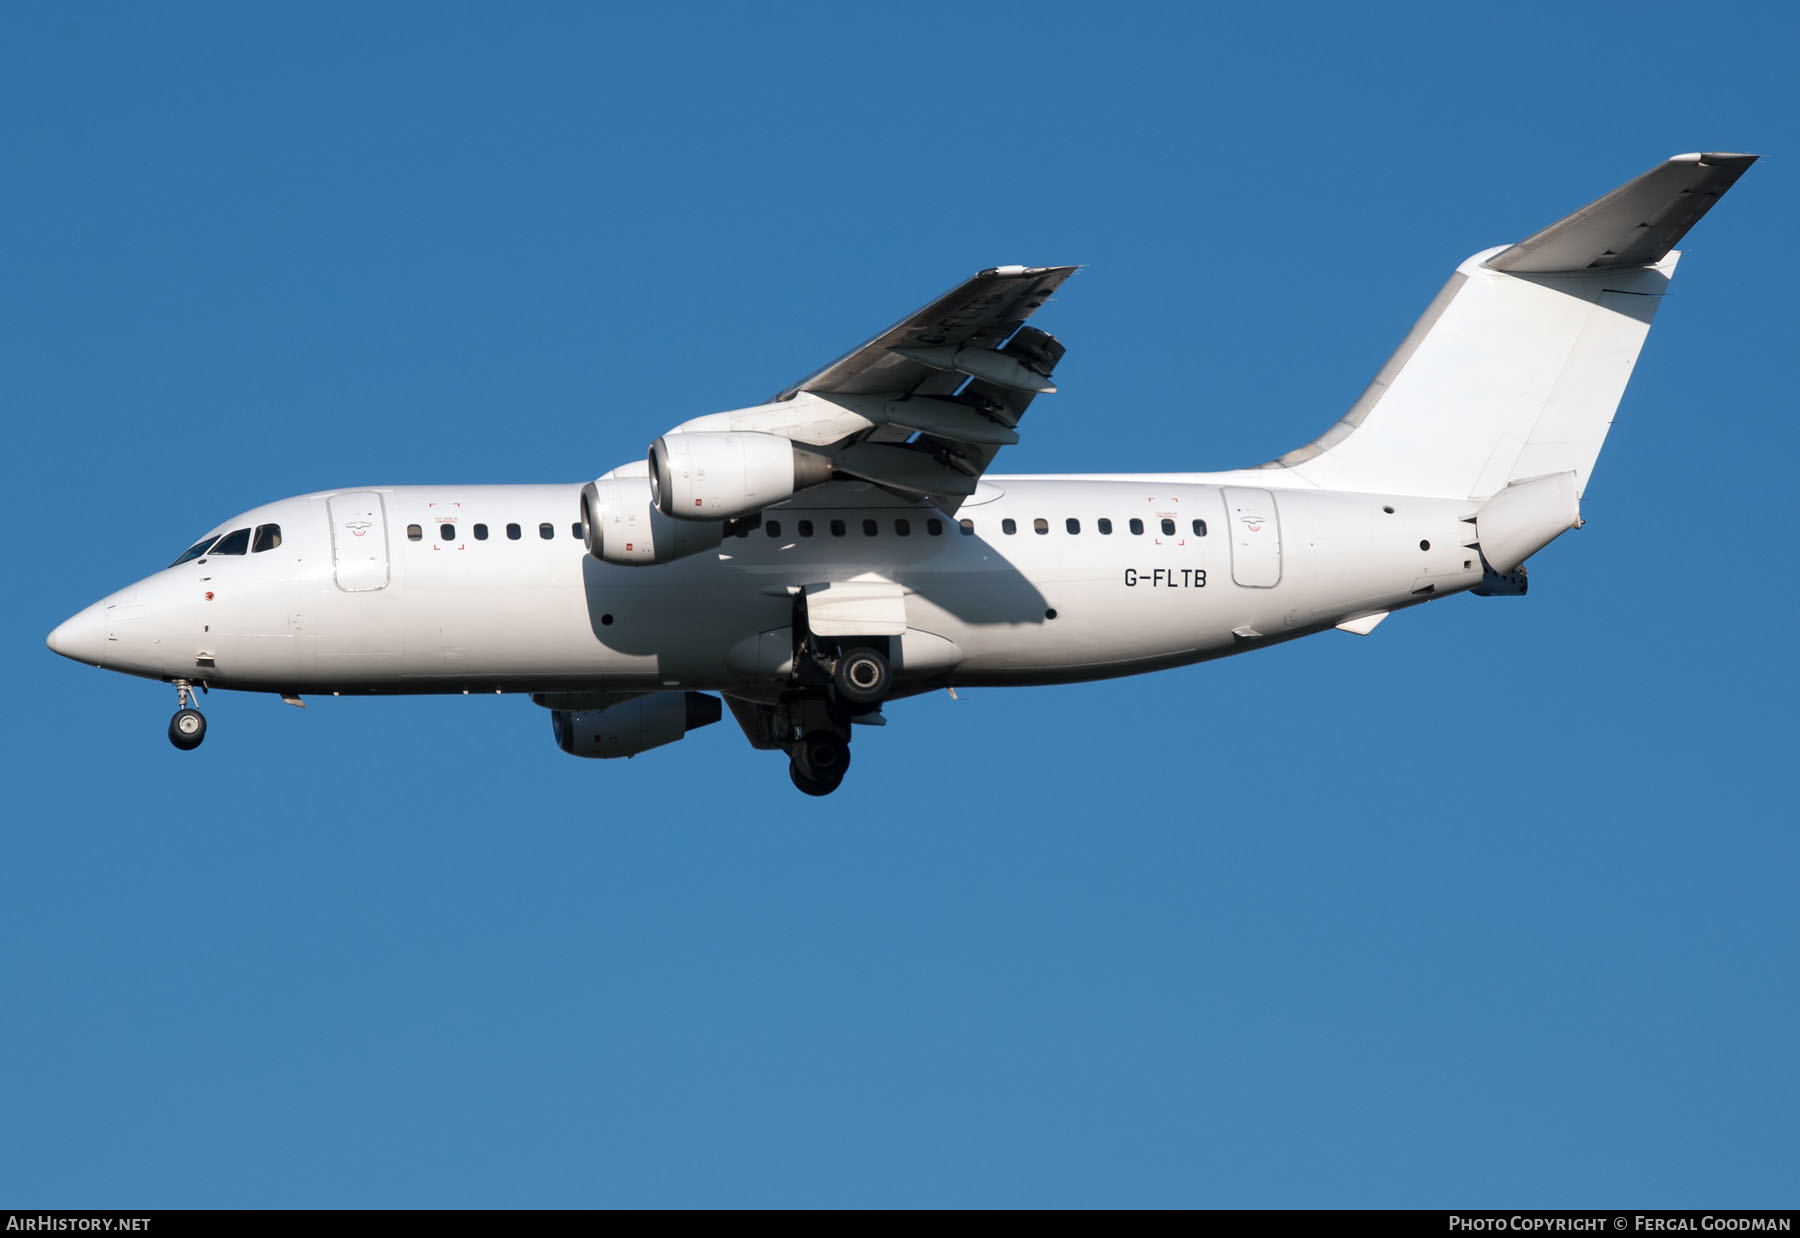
(806,560)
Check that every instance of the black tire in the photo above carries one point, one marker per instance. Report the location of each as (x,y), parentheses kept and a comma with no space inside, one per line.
(823,757)
(810,785)
(187,728)
(863,676)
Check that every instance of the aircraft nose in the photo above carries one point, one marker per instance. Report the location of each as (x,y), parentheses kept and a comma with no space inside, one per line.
(82,636)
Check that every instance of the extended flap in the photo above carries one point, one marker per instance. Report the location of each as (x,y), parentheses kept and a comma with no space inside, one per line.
(900,466)
(856,608)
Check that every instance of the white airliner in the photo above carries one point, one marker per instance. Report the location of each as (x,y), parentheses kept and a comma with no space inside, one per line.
(844,544)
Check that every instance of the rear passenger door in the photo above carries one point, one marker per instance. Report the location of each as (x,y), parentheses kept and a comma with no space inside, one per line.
(1255,537)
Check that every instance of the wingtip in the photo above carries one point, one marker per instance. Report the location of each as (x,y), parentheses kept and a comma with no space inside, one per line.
(1014,272)
(1716,159)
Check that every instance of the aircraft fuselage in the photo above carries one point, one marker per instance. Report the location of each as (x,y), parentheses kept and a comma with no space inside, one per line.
(1036,580)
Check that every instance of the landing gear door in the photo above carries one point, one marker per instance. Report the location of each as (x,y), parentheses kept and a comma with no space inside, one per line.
(856,608)
(359,545)
(1255,537)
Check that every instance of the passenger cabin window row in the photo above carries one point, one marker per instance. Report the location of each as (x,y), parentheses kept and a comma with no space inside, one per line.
(1072,526)
(238,541)
(871,527)
(447,532)
(935,527)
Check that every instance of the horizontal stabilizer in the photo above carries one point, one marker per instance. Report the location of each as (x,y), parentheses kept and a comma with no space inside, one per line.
(1636,224)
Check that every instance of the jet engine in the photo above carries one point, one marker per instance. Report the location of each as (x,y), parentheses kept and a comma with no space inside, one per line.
(709,475)
(633,726)
(621,525)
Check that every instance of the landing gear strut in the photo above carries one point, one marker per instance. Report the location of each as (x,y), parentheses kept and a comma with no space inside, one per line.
(188,727)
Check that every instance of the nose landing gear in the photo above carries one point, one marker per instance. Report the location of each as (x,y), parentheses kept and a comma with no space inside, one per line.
(188,727)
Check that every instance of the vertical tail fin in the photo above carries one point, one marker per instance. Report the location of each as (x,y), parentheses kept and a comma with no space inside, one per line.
(1517,366)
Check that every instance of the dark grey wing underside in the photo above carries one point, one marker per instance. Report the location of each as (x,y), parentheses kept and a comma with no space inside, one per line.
(983,311)
(943,389)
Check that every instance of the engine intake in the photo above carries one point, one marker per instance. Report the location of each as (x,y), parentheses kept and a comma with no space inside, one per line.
(633,726)
(621,525)
(708,475)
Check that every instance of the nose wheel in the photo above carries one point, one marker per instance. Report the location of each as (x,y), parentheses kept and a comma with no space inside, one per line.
(188,727)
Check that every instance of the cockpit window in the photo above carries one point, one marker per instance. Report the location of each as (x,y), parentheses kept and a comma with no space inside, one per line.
(268,536)
(236,542)
(196,550)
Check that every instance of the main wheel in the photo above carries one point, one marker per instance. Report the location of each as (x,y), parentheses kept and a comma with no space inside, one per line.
(187,728)
(823,757)
(862,676)
(811,785)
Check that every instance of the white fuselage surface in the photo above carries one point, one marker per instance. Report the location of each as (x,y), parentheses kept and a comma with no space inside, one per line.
(1038,580)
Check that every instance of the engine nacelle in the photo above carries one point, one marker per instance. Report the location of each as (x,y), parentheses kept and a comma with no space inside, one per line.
(621,525)
(707,475)
(633,726)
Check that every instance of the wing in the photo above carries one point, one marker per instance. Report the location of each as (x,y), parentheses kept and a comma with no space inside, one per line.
(922,409)
(981,312)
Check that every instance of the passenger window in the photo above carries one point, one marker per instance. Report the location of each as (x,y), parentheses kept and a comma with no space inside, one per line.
(934,526)
(194,551)
(772,527)
(902,528)
(547,531)
(1104,525)
(1168,527)
(967,527)
(1009,526)
(446,533)
(481,533)
(268,536)
(1041,525)
(869,527)
(513,532)
(806,528)
(1072,525)
(1199,528)
(837,528)
(575,530)
(414,533)
(236,542)
(1137,526)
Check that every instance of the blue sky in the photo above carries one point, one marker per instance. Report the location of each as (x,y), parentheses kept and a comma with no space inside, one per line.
(1491,908)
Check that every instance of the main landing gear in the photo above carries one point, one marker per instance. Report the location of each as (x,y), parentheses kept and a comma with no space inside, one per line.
(862,676)
(844,683)
(188,727)
(819,762)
